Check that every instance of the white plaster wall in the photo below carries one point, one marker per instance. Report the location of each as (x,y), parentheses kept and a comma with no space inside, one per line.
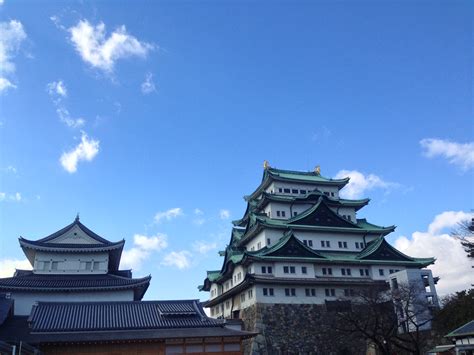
(238,269)
(24,301)
(70,263)
(334,238)
(278,270)
(259,238)
(300,298)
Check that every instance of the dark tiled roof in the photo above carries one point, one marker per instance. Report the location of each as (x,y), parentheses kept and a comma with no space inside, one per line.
(93,316)
(466,329)
(46,241)
(16,329)
(28,281)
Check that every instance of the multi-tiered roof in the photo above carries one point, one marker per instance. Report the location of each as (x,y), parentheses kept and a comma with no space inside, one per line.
(320,217)
(75,239)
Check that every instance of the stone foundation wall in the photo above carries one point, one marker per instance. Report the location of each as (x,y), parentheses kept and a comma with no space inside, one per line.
(296,329)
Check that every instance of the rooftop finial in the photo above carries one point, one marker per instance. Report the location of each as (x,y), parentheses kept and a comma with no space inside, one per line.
(266,164)
(77,217)
(317,170)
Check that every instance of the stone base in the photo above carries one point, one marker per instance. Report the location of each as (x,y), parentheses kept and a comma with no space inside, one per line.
(296,329)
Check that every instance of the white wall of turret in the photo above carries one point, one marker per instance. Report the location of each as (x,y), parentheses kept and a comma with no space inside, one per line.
(70,263)
(315,240)
(299,189)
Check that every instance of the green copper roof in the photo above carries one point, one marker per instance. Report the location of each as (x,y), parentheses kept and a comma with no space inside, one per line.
(212,275)
(273,174)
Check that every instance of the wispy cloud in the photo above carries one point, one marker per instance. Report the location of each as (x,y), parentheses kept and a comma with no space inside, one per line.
(57,91)
(12,35)
(180,259)
(459,154)
(148,86)
(142,248)
(452,264)
(100,51)
(57,88)
(204,247)
(10,169)
(198,212)
(168,215)
(360,183)
(8,266)
(86,150)
(224,214)
(13,197)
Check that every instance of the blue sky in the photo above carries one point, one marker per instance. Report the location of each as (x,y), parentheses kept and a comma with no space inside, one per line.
(152,120)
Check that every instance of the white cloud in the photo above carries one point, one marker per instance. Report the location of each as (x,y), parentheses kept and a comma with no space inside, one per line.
(84,151)
(101,52)
(148,86)
(224,214)
(142,247)
(203,247)
(57,88)
(58,91)
(11,169)
(6,84)
(66,118)
(157,242)
(458,154)
(12,35)
(16,197)
(8,266)
(180,259)
(452,264)
(360,183)
(168,215)
(198,212)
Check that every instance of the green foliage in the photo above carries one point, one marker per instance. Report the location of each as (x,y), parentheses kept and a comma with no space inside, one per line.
(458,309)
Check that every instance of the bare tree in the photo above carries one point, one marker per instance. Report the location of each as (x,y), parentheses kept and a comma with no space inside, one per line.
(464,232)
(392,320)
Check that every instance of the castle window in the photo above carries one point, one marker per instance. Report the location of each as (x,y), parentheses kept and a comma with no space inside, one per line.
(290,292)
(294,191)
(330,292)
(302,192)
(326,193)
(283,214)
(280,190)
(325,244)
(269,269)
(268,241)
(268,292)
(54,265)
(286,269)
(264,269)
(304,270)
(259,245)
(292,270)
(227,304)
(287,191)
(346,272)
(327,271)
(381,272)
(250,294)
(278,213)
(242,297)
(295,214)
(96,265)
(332,194)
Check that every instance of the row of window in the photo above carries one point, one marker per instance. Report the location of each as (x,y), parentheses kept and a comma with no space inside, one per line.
(58,265)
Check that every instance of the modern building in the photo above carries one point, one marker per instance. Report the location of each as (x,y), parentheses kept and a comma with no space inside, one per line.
(300,243)
(75,300)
